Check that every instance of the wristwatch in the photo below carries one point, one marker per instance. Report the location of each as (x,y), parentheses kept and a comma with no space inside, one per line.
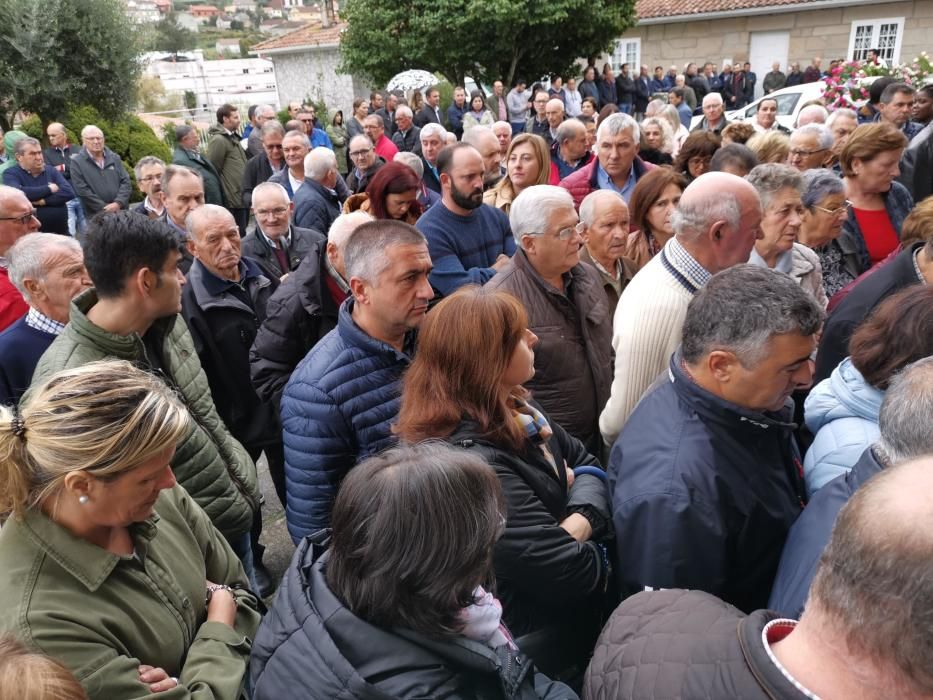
(219,587)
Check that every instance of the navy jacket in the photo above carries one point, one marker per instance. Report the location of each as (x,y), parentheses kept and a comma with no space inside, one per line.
(311,646)
(316,206)
(607,91)
(703,493)
(21,346)
(810,535)
(53,213)
(337,409)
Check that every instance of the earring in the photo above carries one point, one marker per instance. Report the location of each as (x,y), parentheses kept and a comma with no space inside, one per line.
(82,499)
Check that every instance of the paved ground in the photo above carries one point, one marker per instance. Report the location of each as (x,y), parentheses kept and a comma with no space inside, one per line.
(279,547)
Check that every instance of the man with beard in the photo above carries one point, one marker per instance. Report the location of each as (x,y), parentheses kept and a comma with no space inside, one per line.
(468,240)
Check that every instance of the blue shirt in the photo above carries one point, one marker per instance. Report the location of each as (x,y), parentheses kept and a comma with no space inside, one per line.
(605,183)
(320,138)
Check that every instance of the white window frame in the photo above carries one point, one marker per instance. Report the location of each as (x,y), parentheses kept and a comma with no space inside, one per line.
(620,54)
(875,24)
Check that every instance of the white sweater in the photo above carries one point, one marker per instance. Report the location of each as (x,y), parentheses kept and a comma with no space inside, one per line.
(646,329)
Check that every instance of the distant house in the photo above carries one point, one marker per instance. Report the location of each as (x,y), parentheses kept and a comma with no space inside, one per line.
(203,11)
(306,63)
(676,32)
(224,22)
(227,46)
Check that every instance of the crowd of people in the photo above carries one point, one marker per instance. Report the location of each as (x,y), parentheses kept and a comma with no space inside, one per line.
(562,389)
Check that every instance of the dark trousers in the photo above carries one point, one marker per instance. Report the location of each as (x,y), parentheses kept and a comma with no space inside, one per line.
(241,216)
(275,456)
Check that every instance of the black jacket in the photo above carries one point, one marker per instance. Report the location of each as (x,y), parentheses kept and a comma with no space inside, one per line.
(703,493)
(544,577)
(917,165)
(310,646)
(223,320)
(427,115)
(687,645)
(299,313)
(625,89)
(358,184)
(642,93)
(810,535)
(409,141)
(256,247)
(60,158)
(258,170)
(430,180)
(858,304)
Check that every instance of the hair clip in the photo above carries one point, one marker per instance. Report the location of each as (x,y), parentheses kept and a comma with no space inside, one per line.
(18,426)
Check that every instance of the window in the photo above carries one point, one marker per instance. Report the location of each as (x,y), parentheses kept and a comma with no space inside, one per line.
(627,51)
(882,34)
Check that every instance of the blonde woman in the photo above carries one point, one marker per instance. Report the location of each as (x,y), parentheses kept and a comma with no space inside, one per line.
(26,675)
(527,163)
(106,563)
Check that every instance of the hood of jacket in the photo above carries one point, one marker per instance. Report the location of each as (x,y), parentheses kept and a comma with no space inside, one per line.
(844,394)
(219,129)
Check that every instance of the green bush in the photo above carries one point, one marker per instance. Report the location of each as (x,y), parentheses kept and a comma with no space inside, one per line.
(32,127)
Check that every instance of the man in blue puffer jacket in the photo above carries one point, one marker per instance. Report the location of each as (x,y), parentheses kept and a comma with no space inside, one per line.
(340,402)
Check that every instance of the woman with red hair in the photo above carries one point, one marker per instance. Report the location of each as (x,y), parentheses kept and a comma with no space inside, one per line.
(392,193)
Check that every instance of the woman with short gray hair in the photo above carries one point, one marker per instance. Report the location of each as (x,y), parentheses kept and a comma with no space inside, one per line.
(780,188)
(825,212)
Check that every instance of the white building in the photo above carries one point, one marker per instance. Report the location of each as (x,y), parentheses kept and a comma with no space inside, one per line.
(239,81)
(143,11)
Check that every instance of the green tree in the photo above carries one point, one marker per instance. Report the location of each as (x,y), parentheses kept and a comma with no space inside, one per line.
(484,39)
(172,37)
(55,53)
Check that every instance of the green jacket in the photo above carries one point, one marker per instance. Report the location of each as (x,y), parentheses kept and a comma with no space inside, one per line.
(213,192)
(102,615)
(209,463)
(229,159)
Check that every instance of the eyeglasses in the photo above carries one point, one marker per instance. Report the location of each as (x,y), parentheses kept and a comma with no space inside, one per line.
(273,146)
(308,121)
(835,212)
(278,211)
(150,178)
(565,233)
(357,154)
(23,220)
(802,153)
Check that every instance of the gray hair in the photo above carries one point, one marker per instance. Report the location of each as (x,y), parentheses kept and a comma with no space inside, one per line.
(813,109)
(711,97)
(588,205)
(262,109)
(412,160)
(273,126)
(654,108)
(364,254)
(362,137)
(474,135)
(907,413)
(841,112)
(344,225)
(615,124)
(433,129)
(887,95)
(200,215)
(319,162)
(86,131)
(818,184)
(568,130)
(181,131)
(404,111)
(300,135)
(502,125)
(532,210)
(667,133)
(264,187)
(740,309)
(20,145)
(672,116)
(173,171)
(27,256)
(143,162)
(771,178)
(692,220)
(822,133)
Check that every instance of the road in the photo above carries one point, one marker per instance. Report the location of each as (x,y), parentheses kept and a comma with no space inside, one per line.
(279,547)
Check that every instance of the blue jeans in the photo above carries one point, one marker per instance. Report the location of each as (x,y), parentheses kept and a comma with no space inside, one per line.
(625,107)
(244,551)
(76,219)
(517,128)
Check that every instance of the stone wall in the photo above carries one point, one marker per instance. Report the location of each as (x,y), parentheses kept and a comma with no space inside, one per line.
(822,33)
(314,73)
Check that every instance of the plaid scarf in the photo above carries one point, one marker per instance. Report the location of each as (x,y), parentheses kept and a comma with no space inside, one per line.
(535,426)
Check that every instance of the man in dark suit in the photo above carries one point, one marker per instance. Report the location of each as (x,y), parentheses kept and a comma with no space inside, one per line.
(189,155)
(431,112)
(274,243)
(642,93)
(432,141)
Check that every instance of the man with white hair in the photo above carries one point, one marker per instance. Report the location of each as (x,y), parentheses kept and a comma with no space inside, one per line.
(567,311)
(503,132)
(17,219)
(812,114)
(606,218)
(301,312)
(485,142)
(714,119)
(810,147)
(98,176)
(48,270)
(426,197)
(407,136)
(317,203)
(149,171)
(274,243)
(616,167)
(261,115)
(841,124)
(433,139)
(554,113)
(715,225)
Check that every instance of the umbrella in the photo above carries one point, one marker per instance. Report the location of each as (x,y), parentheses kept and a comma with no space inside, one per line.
(412,80)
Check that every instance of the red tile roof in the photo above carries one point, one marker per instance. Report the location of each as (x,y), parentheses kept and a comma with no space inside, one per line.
(657,9)
(311,34)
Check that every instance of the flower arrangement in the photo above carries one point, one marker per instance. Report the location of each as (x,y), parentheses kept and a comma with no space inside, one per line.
(847,84)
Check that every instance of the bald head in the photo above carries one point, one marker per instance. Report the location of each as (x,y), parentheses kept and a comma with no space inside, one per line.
(812,114)
(214,240)
(554,112)
(339,234)
(718,219)
(201,218)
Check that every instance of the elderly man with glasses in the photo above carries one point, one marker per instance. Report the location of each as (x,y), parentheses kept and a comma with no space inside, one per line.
(567,310)
(274,243)
(366,162)
(17,218)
